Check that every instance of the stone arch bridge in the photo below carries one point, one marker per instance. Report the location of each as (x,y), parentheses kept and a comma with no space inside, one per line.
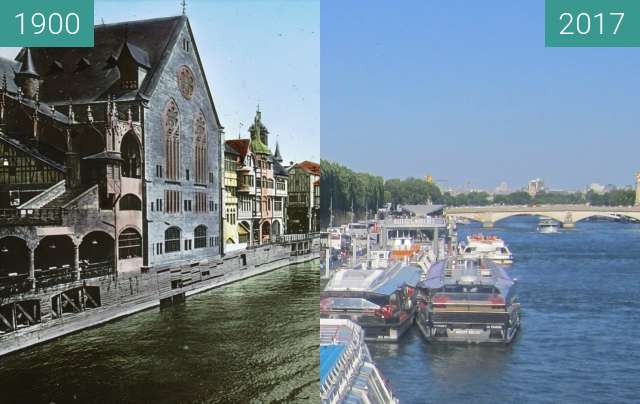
(567,215)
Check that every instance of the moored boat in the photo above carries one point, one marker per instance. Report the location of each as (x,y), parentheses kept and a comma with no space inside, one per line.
(468,301)
(347,372)
(488,247)
(383,302)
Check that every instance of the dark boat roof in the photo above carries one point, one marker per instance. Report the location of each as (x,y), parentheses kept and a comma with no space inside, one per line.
(476,272)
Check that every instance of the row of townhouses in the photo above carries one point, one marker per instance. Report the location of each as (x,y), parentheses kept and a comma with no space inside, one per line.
(262,196)
(113,159)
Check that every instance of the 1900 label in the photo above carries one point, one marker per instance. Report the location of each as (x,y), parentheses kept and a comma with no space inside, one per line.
(50,23)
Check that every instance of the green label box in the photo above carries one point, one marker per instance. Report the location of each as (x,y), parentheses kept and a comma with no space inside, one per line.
(603,23)
(46,23)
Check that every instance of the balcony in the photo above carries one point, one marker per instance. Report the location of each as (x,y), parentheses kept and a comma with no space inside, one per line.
(54,276)
(12,285)
(32,217)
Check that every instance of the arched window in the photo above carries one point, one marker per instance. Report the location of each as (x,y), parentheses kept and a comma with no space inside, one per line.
(172,239)
(130,152)
(200,237)
(130,202)
(129,244)
(172,140)
(201,163)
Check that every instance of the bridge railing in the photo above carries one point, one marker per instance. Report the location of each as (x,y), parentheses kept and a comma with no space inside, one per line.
(427,221)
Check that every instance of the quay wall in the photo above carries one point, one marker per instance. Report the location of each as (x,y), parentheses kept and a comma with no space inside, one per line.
(130,293)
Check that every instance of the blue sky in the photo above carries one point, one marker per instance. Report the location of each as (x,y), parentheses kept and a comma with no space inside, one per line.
(466,91)
(254,52)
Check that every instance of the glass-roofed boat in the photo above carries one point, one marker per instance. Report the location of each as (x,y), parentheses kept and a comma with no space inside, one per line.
(468,300)
(383,302)
(347,372)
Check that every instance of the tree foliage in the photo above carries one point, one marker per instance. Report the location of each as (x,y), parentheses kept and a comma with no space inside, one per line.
(367,193)
(343,189)
(411,191)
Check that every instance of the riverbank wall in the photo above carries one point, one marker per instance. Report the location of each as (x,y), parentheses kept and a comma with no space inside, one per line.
(42,315)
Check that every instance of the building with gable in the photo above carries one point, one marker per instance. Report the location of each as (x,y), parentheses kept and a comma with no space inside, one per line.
(110,157)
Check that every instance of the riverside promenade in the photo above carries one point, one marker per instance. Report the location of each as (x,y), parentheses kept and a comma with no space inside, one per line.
(39,316)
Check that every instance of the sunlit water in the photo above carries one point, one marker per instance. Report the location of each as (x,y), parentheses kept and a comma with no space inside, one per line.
(252,341)
(580,341)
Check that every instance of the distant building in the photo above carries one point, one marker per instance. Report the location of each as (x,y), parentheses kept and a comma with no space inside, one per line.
(597,188)
(303,212)
(535,186)
(637,189)
(503,188)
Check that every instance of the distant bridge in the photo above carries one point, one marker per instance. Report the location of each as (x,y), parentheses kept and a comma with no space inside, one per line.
(567,215)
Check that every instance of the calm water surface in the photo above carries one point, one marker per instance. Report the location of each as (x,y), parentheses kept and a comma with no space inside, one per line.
(252,341)
(580,342)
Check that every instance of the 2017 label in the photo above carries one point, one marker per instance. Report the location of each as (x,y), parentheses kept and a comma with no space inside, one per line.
(603,23)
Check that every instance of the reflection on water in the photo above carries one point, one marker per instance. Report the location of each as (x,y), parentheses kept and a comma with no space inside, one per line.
(252,340)
(579,342)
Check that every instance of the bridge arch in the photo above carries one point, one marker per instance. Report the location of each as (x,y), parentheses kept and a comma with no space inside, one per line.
(567,217)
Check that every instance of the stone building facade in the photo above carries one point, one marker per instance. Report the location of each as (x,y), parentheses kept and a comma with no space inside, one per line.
(110,157)
(230,219)
(303,211)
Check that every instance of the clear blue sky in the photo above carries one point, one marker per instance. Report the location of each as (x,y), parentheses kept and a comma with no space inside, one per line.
(254,52)
(466,91)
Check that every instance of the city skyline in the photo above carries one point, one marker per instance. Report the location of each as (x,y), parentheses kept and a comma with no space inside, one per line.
(235,37)
(446,89)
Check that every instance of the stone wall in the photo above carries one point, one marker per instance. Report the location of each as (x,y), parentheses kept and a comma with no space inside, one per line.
(154,154)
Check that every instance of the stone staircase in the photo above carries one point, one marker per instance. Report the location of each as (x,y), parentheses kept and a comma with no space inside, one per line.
(67,196)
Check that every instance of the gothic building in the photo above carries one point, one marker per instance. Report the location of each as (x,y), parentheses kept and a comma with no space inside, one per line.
(110,157)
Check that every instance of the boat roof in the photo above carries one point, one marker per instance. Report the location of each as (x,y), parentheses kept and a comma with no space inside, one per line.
(468,271)
(329,355)
(378,281)
(348,303)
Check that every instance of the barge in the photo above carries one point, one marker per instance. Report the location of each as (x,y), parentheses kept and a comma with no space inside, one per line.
(468,301)
(347,372)
(382,302)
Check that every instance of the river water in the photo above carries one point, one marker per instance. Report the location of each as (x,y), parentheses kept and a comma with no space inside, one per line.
(580,341)
(252,341)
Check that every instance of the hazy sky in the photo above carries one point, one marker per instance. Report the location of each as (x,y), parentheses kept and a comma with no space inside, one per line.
(254,52)
(466,91)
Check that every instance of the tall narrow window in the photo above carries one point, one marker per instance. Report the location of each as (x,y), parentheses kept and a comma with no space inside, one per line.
(200,236)
(172,239)
(201,164)
(172,140)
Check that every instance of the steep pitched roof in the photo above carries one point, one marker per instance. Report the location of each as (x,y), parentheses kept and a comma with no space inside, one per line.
(277,168)
(277,156)
(240,145)
(147,40)
(230,150)
(31,151)
(309,166)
